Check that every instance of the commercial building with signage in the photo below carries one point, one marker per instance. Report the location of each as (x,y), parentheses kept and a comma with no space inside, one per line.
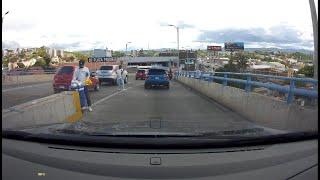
(187,59)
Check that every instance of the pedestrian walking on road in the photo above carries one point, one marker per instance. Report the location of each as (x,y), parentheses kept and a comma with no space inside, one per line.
(82,74)
(120,79)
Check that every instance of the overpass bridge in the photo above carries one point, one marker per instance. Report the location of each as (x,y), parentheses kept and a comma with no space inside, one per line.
(196,102)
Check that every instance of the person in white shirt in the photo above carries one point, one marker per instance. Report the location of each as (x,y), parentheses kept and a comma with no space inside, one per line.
(82,74)
(120,79)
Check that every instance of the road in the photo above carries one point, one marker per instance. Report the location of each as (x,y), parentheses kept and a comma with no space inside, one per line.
(17,94)
(139,110)
(179,109)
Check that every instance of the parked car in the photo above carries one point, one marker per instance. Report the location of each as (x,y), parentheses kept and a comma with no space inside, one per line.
(107,73)
(63,77)
(157,77)
(141,74)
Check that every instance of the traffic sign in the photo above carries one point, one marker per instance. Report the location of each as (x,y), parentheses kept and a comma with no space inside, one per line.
(99,59)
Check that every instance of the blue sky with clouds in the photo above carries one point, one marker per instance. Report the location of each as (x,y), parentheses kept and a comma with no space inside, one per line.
(79,25)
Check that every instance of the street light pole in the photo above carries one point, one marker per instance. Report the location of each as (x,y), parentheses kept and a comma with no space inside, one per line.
(2,29)
(127,47)
(177,43)
(315,37)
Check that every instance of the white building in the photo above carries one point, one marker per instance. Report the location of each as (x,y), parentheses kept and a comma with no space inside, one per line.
(102,53)
(29,63)
(52,52)
(60,53)
(292,60)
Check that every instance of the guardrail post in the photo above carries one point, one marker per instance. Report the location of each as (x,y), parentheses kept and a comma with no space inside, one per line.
(225,79)
(248,83)
(291,92)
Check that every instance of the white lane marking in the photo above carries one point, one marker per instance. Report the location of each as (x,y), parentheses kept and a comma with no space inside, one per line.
(23,87)
(108,97)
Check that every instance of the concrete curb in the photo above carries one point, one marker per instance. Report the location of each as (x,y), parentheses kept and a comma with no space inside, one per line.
(58,108)
(272,113)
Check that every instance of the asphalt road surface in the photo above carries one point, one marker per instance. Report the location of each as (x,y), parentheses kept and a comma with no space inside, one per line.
(177,110)
(137,110)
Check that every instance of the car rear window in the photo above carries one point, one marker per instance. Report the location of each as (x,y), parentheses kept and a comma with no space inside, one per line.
(65,70)
(106,67)
(156,72)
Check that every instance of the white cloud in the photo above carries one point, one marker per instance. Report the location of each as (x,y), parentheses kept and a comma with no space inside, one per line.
(115,22)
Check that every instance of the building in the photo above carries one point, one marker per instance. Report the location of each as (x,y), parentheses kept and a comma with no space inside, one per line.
(60,53)
(52,52)
(102,53)
(29,63)
(55,60)
(187,59)
(151,61)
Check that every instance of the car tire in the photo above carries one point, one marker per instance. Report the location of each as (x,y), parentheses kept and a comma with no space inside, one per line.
(168,87)
(136,78)
(147,86)
(97,87)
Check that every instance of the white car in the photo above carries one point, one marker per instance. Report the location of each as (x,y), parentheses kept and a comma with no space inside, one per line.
(107,73)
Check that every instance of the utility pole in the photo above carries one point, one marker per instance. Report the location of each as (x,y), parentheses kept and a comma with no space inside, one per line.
(177,44)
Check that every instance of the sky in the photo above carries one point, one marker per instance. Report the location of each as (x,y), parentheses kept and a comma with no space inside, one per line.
(88,24)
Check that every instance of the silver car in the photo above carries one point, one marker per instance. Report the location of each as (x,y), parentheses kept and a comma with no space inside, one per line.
(107,73)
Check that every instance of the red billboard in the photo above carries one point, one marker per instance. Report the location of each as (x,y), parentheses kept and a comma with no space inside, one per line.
(214,48)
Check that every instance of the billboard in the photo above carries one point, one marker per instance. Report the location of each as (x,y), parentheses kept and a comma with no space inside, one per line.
(234,46)
(99,59)
(214,48)
(187,54)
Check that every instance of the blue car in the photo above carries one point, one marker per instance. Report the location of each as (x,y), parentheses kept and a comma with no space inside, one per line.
(157,77)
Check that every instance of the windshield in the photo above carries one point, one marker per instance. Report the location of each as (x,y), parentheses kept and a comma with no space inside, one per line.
(106,68)
(156,72)
(232,69)
(65,70)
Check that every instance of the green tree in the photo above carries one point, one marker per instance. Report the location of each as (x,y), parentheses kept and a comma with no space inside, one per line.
(47,59)
(21,65)
(241,59)
(22,55)
(267,58)
(118,54)
(13,58)
(41,63)
(307,71)
(42,52)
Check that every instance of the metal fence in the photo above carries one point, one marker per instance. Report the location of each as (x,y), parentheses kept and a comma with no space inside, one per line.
(247,79)
(27,72)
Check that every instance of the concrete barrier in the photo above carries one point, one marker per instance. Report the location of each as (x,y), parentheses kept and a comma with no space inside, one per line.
(57,108)
(263,110)
(8,80)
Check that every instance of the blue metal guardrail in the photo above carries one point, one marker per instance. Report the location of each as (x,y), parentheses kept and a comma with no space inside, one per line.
(291,90)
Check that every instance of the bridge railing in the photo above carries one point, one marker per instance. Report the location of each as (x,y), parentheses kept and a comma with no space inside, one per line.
(247,79)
